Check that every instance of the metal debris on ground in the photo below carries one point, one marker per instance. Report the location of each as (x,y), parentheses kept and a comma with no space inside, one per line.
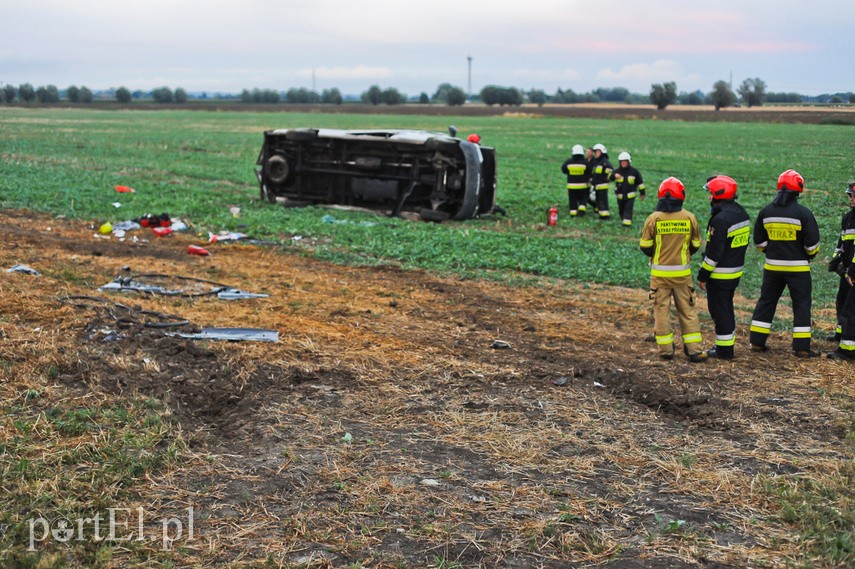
(174,285)
(560,381)
(19,268)
(232,335)
(123,313)
(500,345)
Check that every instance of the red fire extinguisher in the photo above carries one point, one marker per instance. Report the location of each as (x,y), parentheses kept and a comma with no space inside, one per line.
(553,215)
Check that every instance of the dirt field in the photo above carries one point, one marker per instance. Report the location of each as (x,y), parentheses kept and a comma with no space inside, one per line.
(384,430)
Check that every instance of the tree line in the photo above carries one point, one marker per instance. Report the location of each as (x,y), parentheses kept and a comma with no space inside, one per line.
(751,92)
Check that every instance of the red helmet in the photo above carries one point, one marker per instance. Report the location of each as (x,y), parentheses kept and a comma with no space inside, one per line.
(672,187)
(473,138)
(721,187)
(791,180)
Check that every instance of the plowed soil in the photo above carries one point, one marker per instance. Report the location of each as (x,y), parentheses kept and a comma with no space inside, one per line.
(386,427)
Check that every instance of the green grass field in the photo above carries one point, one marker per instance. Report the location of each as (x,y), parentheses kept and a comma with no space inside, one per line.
(195,164)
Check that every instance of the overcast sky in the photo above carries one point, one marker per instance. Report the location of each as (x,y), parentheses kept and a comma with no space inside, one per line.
(228,45)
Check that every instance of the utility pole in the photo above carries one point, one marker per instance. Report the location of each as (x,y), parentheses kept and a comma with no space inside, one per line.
(469,84)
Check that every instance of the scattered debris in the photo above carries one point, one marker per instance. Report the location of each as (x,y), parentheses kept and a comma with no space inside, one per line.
(149,220)
(330,219)
(233,335)
(598,384)
(125,314)
(226,236)
(19,268)
(235,211)
(117,205)
(174,285)
(560,381)
(196,250)
(347,438)
(106,228)
(129,225)
(500,345)
(430,482)
(161,231)
(125,190)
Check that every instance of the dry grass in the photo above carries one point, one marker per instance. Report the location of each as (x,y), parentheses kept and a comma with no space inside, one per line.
(388,434)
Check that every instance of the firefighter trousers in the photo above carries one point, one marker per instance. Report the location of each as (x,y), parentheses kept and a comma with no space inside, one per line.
(774,282)
(577,199)
(846,317)
(720,303)
(625,207)
(602,199)
(842,292)
(662,291)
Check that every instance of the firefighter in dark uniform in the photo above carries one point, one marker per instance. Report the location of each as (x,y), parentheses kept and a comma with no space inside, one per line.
(629,185)
(669,237)
(843,256)
(578,176)
(601,170)
(728,233)
(787,233)
(844,264)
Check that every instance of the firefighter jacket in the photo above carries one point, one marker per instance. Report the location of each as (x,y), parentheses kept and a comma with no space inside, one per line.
(669,237)
(578,173)
(631,184)
(728,232)
(601,170)
(787,233)
(843,254)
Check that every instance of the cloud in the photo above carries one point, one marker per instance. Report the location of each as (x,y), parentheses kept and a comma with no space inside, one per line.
(346,73)
(642,74)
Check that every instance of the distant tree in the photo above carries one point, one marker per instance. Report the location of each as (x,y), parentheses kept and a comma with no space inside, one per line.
(851,98)
(752,91)
(614,95)
(123,95)
(392,96)
(331,96)
(693,98)
(663,94)
(722,96)
(784,98)
(180,95)
(162,95)
(245,96)
(424,99)
(9,93)
(494,95)
(85,95)
(47,94)
(270,96)
(441,94)
(567,97)
(537,97)
(26,92)
(455,97)
(836,99)
(490,95)
(302,96)
(72,94)
(373,96)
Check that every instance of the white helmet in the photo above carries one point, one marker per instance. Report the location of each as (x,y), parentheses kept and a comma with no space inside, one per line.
(624,156)
(601,148)
(578,150)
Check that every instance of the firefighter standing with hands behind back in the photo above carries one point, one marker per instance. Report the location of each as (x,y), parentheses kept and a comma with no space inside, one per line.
(728,233)
(843,263)
(601,170)
(787,233)
(670,236)
(629,185)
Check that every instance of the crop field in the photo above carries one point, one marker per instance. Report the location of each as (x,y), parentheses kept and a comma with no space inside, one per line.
(387,427)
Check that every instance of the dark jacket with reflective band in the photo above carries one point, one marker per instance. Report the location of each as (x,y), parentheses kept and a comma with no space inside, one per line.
(578,174)
(632,182)
(846,241)
(670,238)
(728,233)
(601,170)
(787,233)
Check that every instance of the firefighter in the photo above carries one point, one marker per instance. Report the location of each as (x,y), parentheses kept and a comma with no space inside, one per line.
(787,233)
(629,185)
(843,257)
(578,175)
(728,233)
(670,236)
(843,264)
(601,170)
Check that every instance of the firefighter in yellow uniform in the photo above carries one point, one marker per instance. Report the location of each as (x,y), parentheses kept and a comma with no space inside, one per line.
(670,236)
